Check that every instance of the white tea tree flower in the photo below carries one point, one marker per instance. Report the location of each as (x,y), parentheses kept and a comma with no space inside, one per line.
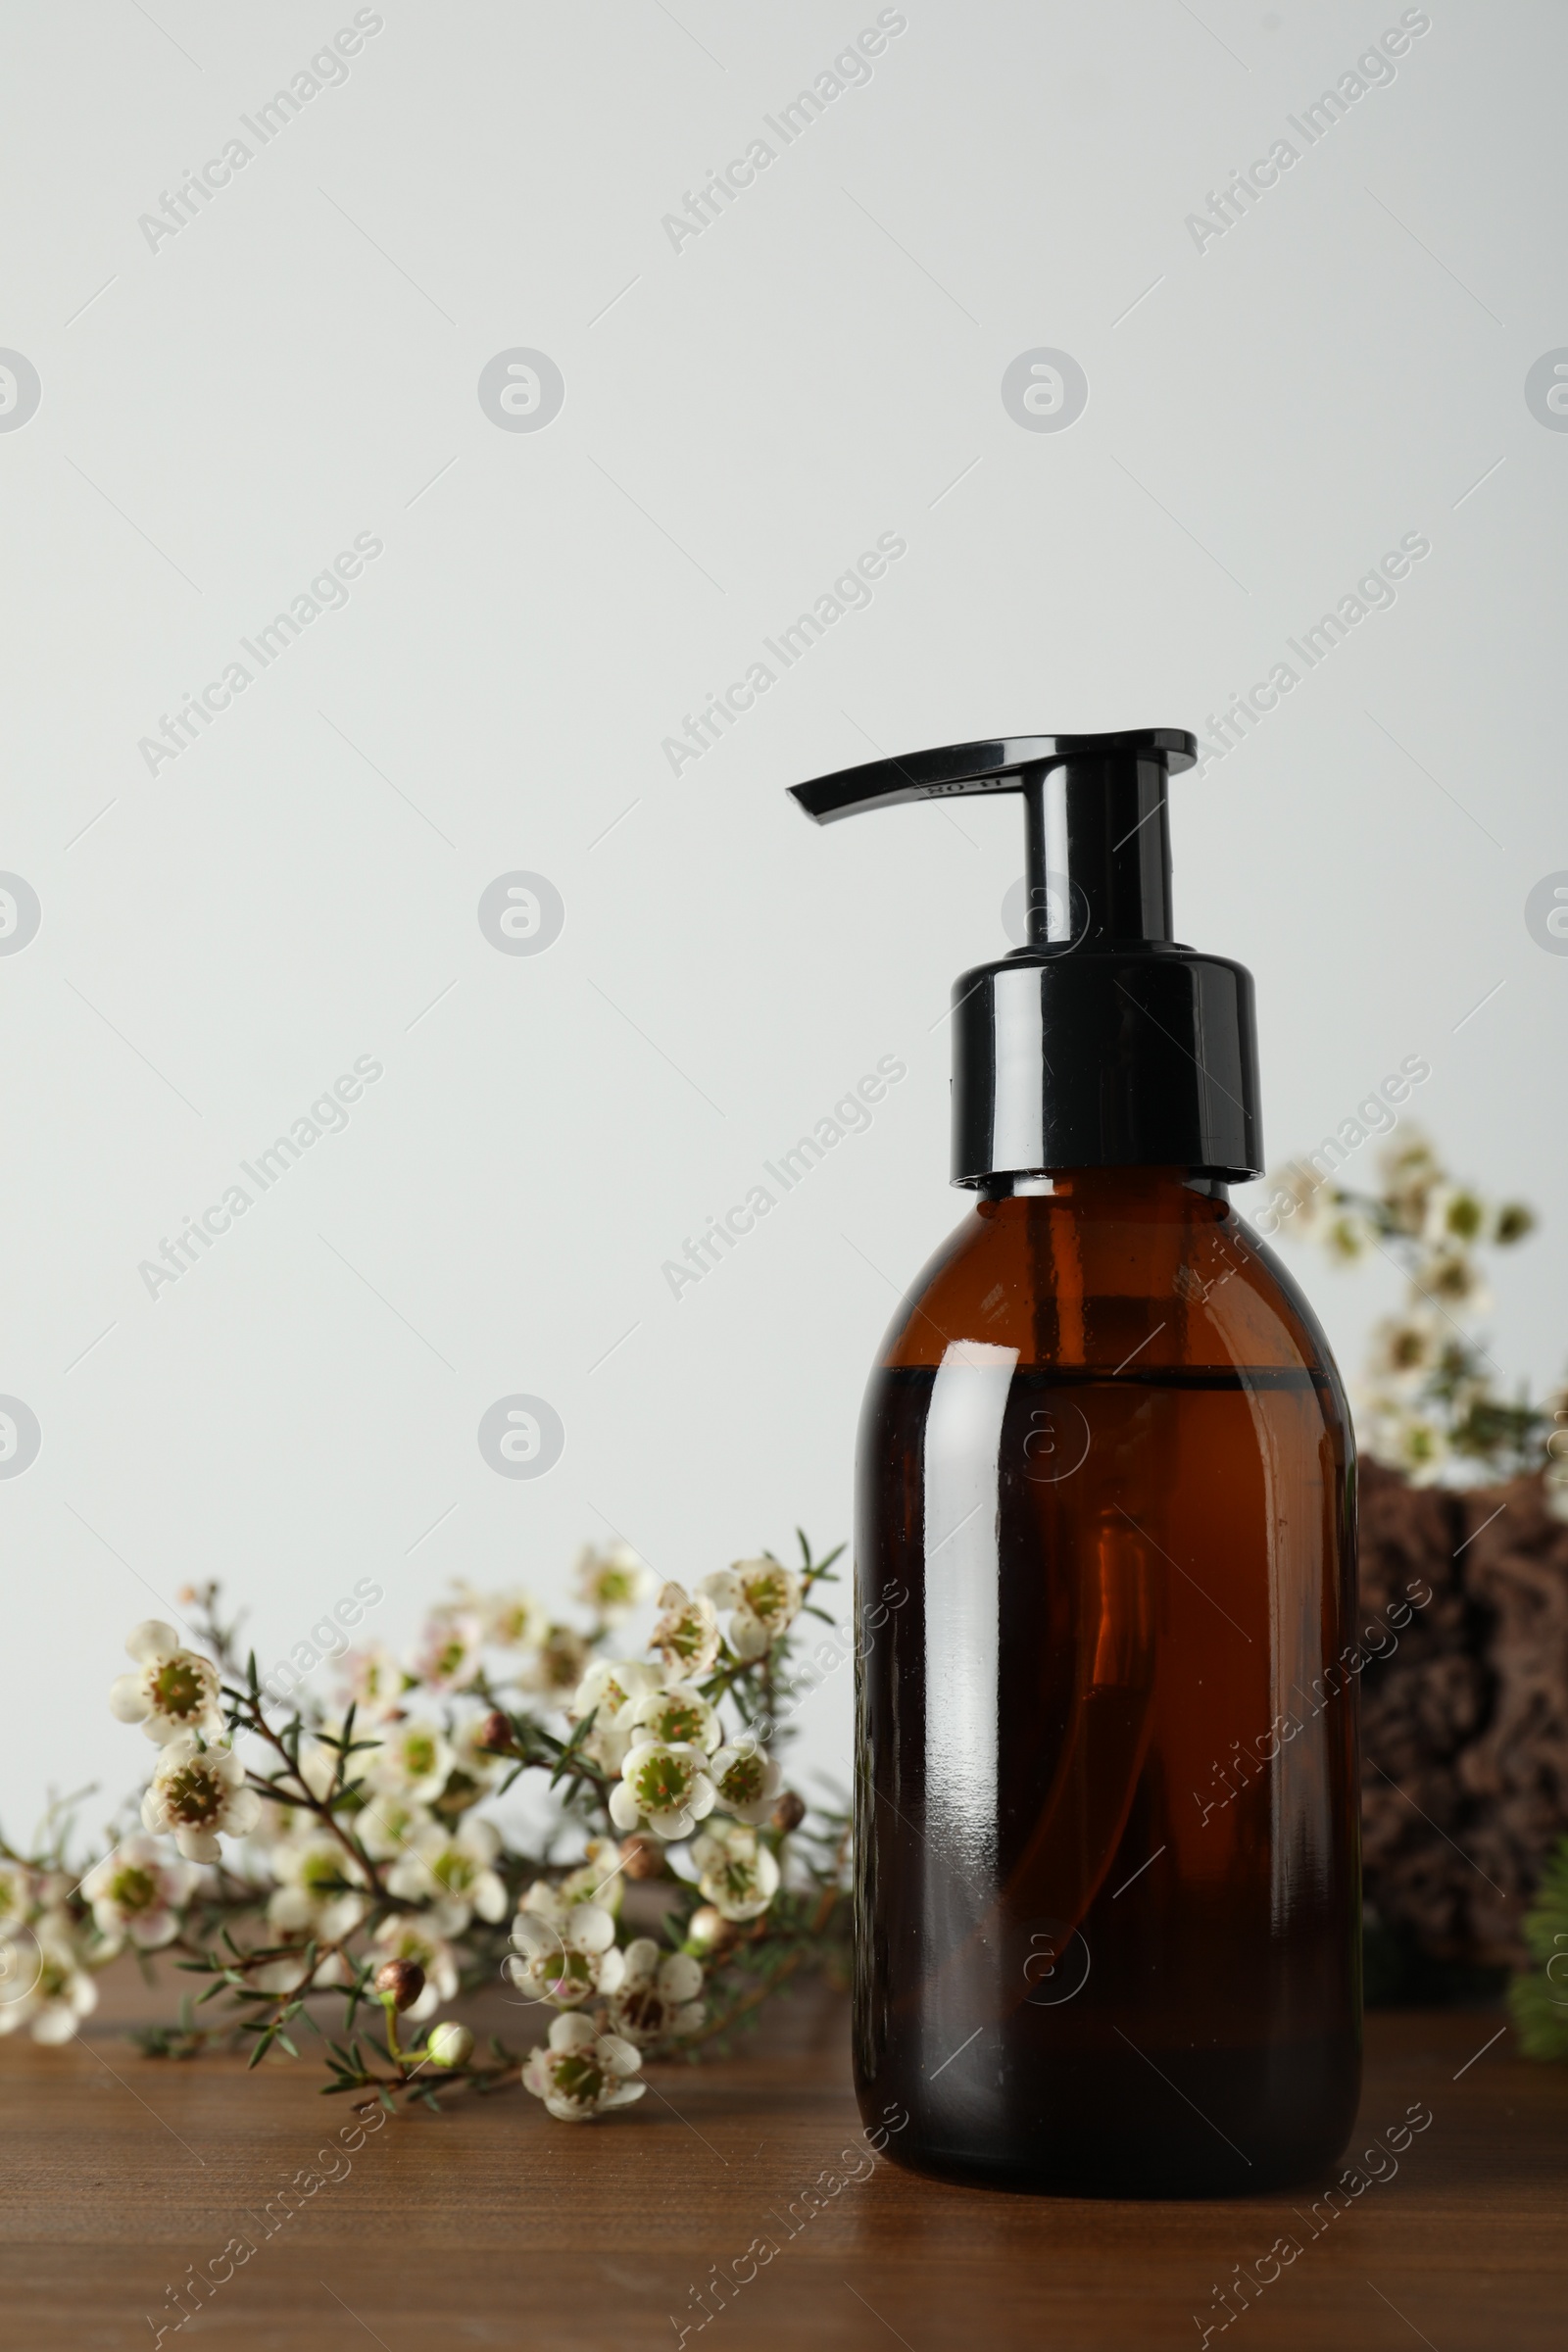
(747,1781)
(1413,1443)
(475,1769)
(548,1902)
(17,1897)
(1348,1236)
(52,1989)
(374,1680)
(663,1787)
(320,1888)
(737,1873)
(1405,1347)
(448,1654)
(173,1691)
(1411,1155)
(614,1582)
(402,1937)
(451,1869)
(387,1825)
(21,1967)
(596,1877)
(1410,1176)
(197,1795)
(513,1620)
(763,1600)
(1452,1276)
(566,1960)
(137,1893)
(1305,1192)
(470,1757)
(1455,1217)
(659,1994)
(411,1762)
(609,1691)
(679,1715)
(686,1634)
(582,2074)
(557,1663)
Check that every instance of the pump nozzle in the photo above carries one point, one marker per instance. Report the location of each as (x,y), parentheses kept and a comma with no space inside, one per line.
(1102,1043)
(1097,834)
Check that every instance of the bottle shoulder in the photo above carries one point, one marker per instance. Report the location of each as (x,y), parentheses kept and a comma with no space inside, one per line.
(1167,1274)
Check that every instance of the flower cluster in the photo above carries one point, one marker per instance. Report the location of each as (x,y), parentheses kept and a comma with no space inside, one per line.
(48,1950)
(291,1854)
(1431,1406)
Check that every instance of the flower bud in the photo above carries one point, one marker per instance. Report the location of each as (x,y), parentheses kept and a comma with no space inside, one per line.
(642,1857)
(789,1812)
(495,1731)
(399,1982)
(708,1930)
(451,2045)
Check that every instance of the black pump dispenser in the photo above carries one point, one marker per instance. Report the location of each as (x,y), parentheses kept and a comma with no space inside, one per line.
(1102,1043)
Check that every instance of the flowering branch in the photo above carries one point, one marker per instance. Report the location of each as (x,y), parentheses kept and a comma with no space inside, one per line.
(357,1856)
(1430,1405)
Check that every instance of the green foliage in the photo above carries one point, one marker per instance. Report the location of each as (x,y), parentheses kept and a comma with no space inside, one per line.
(1539,1999)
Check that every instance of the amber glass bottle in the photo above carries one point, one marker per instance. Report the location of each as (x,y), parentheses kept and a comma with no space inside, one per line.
(1108,1898)
(1109,1940)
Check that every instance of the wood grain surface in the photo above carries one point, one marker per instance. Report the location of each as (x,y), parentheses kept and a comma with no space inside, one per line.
(492,2225)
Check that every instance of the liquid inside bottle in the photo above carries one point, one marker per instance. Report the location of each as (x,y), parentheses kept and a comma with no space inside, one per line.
(1107,1761)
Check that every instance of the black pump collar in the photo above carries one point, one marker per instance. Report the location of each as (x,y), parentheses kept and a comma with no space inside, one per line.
(1102,1043)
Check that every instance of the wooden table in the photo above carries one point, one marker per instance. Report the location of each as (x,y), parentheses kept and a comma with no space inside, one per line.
(494,2225)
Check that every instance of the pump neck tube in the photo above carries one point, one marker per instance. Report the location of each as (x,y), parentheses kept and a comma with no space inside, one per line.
(1097,834)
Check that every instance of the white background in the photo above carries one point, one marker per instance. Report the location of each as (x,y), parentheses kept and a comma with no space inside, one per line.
(221,416)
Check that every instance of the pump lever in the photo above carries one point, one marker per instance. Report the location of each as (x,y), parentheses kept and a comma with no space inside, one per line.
(1006,764)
